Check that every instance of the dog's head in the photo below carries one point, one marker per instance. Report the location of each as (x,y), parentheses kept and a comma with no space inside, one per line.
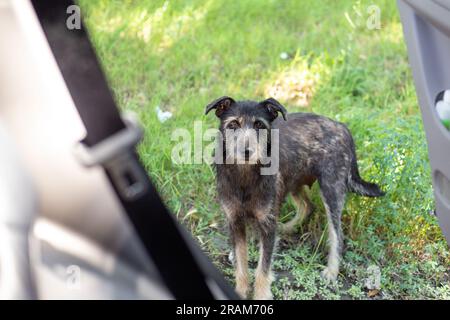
(246,127)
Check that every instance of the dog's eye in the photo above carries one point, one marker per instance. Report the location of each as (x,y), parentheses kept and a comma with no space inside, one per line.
(233,125)
(259,125)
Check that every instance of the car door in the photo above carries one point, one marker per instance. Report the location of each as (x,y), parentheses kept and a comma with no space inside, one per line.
(426,28)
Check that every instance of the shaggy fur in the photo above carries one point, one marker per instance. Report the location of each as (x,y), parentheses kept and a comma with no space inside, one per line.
(311,148)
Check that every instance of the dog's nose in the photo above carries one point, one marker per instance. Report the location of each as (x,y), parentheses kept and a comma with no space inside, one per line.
(248,153)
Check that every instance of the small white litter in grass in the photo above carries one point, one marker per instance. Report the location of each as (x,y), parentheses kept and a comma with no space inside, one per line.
(231,257)
(284,56)
(295,87)
(163,115)
(373,280)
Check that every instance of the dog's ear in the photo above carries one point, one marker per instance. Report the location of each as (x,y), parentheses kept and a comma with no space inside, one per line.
(273,106)
(220,105)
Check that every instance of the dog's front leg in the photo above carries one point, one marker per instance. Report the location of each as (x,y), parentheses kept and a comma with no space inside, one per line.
(239,243)
(263,277)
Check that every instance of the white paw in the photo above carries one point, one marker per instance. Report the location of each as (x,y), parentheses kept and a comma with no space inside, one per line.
(267,295)
(242,292)
(329,274)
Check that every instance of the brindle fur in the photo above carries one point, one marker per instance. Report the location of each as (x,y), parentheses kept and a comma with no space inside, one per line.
(311,148)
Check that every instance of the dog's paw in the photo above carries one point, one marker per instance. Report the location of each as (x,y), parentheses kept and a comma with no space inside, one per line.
(329,274)
(263,295)
(242,291)
(263,281)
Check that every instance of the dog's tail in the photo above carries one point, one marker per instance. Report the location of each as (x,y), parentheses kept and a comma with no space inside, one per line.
(357,185)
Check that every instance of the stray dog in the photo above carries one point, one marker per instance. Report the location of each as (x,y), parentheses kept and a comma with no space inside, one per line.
(310,147)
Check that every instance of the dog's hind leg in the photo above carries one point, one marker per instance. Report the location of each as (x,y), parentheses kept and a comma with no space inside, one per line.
(304,209)
(333,196)
(263,277)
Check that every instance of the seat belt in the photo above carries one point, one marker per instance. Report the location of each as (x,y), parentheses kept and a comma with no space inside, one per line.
(110,142)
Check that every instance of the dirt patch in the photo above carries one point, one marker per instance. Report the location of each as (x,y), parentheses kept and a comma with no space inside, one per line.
(293,87)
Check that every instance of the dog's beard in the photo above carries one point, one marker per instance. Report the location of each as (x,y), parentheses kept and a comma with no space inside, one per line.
(266,156)
(234,156)
(236,143)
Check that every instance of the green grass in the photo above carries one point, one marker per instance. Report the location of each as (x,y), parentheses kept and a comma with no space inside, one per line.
(180,55)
